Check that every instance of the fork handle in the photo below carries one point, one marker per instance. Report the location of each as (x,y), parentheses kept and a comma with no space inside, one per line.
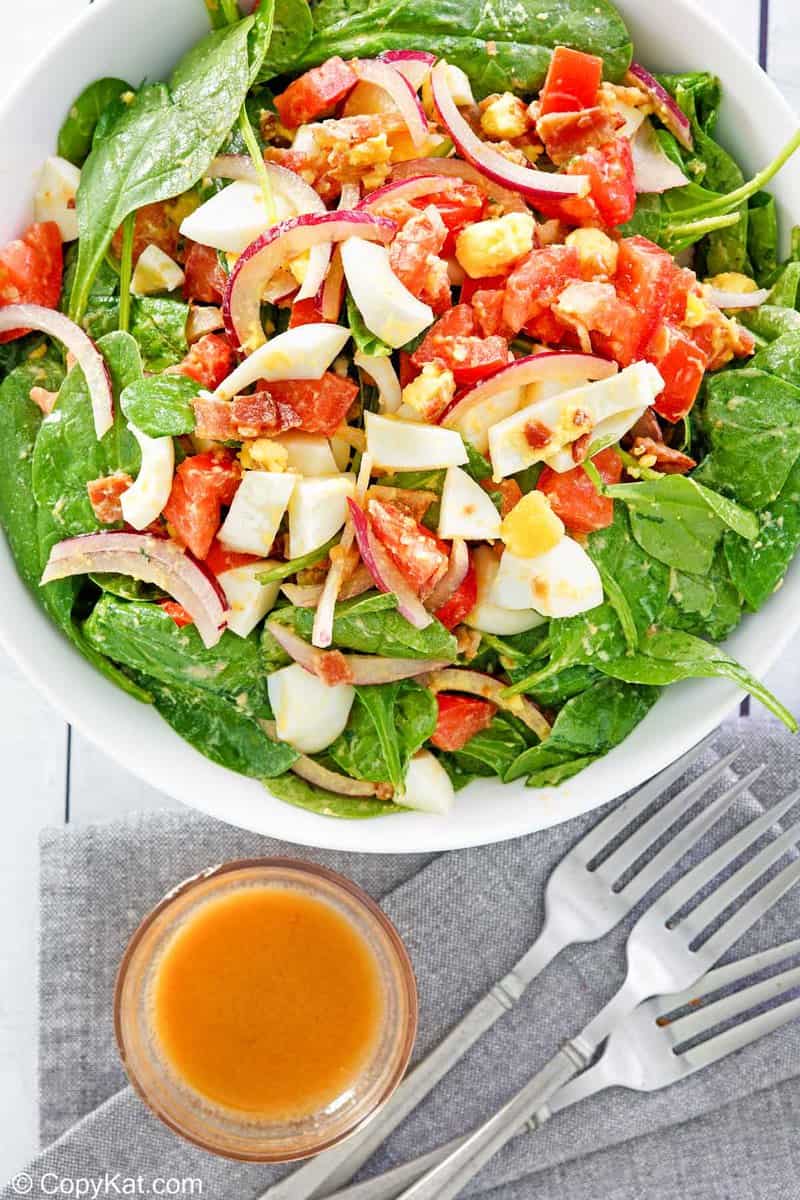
(446,1180)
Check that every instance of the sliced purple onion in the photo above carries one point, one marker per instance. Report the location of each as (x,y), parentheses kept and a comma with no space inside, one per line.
(739,299)
(452,580)
(153,560)
(364,669)
(409,189)
(386,576)
(313,772)
(415,65)
(79,344)
(403,95)
(489,688)
(510,200)
(666,107)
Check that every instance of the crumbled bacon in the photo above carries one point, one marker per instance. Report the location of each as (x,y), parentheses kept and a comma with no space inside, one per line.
(414,258)
(566,134)
(214,419)
(261,415)
(334,668)
(664,458)
(105,496)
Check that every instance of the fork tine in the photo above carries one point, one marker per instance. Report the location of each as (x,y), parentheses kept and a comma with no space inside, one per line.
(634,846)
(699,1020)
(741,1035)
(748,873)
(759,904)
(690,884)
(687,837)
(731,972)
(601,834)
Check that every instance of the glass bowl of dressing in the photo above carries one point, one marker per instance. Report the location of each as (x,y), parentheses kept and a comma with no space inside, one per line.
(265,1009)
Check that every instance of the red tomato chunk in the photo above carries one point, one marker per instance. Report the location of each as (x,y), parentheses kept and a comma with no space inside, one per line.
(574,498)
(316,93)
(460,718)
(31,269)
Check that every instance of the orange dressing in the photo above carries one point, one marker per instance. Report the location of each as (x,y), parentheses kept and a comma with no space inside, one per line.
(268,1001)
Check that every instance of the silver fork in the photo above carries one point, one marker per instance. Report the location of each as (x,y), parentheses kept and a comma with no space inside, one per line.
(648,1050)
(665,954)
(583,902)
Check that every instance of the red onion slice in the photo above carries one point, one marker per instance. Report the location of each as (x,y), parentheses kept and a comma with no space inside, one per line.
(464,171)
(488,688)
(531,183)
(363,669)
(409,189)
(403,94)
(78,343)
(666,108)
(286,240)
(313,772)
(308,596)
(153,560)
(534,368)
(451,582)
(415,65)
(386,576)
(739,299)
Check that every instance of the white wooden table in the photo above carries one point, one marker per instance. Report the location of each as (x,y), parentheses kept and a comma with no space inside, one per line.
(52,774)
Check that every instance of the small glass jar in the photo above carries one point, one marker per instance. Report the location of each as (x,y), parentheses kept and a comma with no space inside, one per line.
(229,1132)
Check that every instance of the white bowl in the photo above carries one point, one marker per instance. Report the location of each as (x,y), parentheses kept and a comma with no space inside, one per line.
(145,40)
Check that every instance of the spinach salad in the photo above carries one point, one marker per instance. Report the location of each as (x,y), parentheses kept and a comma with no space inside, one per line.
(398,396)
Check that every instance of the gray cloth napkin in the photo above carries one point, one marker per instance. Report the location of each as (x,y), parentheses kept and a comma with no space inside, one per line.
(728,1133)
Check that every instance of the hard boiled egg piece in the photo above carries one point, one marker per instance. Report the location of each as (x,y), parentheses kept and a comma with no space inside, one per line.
(148,494)
(389,309)
(257,511)
(55,196)
(309,715)
(427,786)
(405,446)
(308,453)
(233,218)
(559,583)
(493,618)
(156,272)
(248,600)
(466,509)
(317,510)
(475,423)
(304,352)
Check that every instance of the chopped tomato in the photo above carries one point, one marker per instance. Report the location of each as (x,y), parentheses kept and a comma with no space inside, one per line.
(220,559)
(460,718)
(574,498)
(305,312)
(488,308)
(31,268)
(105,496)
(408,371)
(202,484)
(153,226)
(572,81)
(683,282)
(566,134)
(419,555)
(458,208)
(452,342)
(321,404)
(262,415)
(682,365)
(617,333)
(316,93)
(461,603)
(644,277)
(205,277)
(536,283)
(210,360)
(611,179)
(489,283)
(177,613)
(414,258)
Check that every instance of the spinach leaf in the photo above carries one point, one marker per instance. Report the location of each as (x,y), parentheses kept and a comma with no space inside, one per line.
(492,751)
(143,637)
(388,723)
(221,730)
(707,605)
(158,324)
(17,353)
(762,236)
(477,466)
(679,522)
(160,146)
(522,33)
(783,293)
(758,567)
(292,31)
(669,655)
(301,563)
(296,791)
(769,322)
(781,358)
(753,427)
(370,624)
(586,728)
(77,131)
(366,341)
(67,454)
(557,689)
(161,405)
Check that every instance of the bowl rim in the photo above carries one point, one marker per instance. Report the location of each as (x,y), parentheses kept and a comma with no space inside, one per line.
(170,765)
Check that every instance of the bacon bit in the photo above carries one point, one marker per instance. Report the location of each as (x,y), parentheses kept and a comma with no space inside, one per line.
(260,415)
(566,134)
(105,496)
(510,492)
(415,503)
(177,613)
(665,458)
(43,399)
(414,258)
(647,427)
(537,435)
(580,448)
(468,642)
(214,419)
(334,668)
(384,791)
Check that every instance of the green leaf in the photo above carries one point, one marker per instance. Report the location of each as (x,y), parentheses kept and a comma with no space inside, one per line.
(221,730)
(762,236)
(143,637)
(706,605)
(758,567)
(77,131)
(292,31)
(159,326)
(296,791)
(679,522)
(161,405)
(586,728)
(284,570)
(669,655)
(388,723)
(366,341)
(492,751)
(523,34)
(161,145)
(769,322)
(370,624)
(784,291)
